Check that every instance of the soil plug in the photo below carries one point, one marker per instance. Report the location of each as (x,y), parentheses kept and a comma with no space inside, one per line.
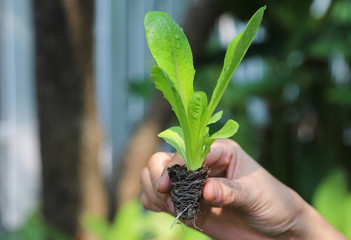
(186,190)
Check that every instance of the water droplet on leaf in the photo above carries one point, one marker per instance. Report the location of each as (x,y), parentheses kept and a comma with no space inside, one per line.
(176,36)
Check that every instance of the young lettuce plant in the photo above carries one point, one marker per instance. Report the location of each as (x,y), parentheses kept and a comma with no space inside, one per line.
(174,76)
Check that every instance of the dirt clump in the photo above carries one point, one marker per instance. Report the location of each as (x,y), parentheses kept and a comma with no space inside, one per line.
(186,190)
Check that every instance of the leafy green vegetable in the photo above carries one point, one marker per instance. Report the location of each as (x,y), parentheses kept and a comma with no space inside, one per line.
(134,223)
(174,76)
(174,136)
(332,200)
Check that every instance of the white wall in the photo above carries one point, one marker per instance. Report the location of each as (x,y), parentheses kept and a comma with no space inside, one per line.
(19,159)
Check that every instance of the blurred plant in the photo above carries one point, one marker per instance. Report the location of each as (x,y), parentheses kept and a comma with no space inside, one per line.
(142,87)
(34,228)
(134,223)
(332,200)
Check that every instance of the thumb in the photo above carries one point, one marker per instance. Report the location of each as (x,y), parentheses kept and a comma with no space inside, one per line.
(222,192)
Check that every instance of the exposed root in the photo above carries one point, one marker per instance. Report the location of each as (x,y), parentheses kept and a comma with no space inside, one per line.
(176,220)
(193,221)
(196,227)
(186,190)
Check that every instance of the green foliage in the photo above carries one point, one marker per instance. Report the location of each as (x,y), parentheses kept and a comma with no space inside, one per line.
(340,96)
(134,223)
(235,53)
(333,201)
(174,76)
(171,50)
(142,88)
(35,228)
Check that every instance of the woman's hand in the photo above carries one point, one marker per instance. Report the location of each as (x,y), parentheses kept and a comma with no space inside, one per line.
(240,199)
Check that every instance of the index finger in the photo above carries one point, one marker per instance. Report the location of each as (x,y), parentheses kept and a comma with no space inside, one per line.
(163,185)
(220,157)
(227,159)
(156,164)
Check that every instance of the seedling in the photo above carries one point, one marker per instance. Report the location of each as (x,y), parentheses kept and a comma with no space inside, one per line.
(174,76)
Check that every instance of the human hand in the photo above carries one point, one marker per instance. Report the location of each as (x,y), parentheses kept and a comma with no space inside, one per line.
(240,198)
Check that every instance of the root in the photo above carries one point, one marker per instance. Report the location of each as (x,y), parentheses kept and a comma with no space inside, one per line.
(196,227)
(186,190)
(177,221)
(178,216)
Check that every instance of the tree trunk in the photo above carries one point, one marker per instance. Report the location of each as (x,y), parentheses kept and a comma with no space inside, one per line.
(198,23)
(69,133)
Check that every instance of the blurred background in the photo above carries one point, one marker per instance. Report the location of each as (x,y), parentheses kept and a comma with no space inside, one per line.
(79,115)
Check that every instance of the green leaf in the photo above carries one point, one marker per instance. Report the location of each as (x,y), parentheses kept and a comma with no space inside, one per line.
(330,198)
(96,225)
(174,77)
(197,112)
(347,230)
(174,136)
(215,117)
(166,86)
(235,53)
(228,130)
(172,52)
(196,120)
(129,222)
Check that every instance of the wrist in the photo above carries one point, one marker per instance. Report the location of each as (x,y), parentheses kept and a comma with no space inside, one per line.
(311,225)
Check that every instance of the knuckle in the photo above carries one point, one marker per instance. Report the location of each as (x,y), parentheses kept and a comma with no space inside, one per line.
(144,176)
(156,159)
(145,201)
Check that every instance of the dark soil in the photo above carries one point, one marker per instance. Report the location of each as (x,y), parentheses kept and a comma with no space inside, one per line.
(186,190)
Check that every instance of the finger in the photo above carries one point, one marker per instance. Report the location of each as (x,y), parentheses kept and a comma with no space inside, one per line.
(156,165)
(221,154)
(163,185)
(222,192)
(148,204)
(150,191)
(176,159)
(228,159)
